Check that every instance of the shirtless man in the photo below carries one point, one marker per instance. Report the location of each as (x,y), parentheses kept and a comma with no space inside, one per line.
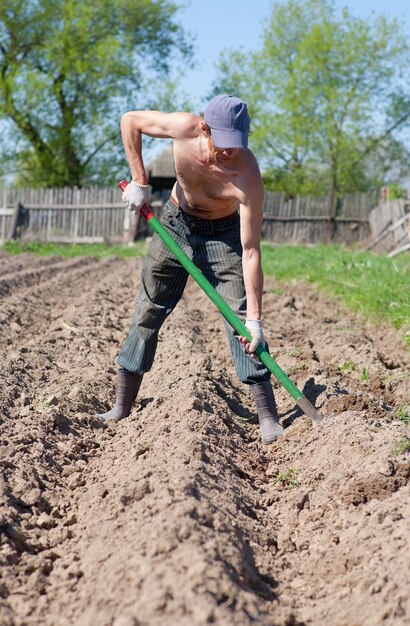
(216,176)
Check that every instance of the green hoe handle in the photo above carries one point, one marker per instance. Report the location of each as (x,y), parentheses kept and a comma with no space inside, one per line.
(226,310)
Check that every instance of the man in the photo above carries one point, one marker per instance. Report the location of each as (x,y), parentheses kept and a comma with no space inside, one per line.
(216,174)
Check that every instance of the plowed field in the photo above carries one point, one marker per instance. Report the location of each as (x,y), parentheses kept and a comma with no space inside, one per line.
(178,515)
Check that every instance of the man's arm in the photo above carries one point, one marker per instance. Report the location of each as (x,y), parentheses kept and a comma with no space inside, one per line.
(251,227)
(134,124)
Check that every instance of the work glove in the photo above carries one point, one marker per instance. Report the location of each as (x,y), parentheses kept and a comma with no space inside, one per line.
(135,196)
(255,328)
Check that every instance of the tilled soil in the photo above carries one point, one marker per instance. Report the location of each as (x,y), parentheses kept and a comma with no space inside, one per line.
(178,515)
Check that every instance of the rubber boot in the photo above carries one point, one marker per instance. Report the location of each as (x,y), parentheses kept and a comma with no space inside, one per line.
(267,412)
(128,385)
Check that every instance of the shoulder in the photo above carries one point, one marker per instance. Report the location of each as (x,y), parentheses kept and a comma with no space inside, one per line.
(185,125)
(251,183)
(249,159)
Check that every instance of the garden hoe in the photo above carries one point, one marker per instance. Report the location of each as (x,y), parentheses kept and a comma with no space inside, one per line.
(227,312)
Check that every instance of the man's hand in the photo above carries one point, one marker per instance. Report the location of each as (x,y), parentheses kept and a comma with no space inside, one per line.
(135,196)
(255,328)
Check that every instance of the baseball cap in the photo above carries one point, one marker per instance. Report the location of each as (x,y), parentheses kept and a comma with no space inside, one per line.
(228,118)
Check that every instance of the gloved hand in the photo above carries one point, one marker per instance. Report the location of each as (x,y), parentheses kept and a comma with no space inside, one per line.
(255,328)
(135,196)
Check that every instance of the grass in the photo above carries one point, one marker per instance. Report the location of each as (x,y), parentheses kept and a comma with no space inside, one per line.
(403,414)
(402,446)
(347,367)
(377,287)
(98,250)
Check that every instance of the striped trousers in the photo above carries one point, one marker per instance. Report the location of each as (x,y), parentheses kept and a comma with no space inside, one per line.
(215,248)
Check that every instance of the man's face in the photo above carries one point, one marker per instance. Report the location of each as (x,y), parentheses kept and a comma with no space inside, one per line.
(222,154)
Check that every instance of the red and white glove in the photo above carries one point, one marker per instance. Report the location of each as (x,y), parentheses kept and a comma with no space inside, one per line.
(255,328)
(135,196)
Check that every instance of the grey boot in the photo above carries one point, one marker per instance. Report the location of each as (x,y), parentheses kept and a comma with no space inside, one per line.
(128,385)
(267,413)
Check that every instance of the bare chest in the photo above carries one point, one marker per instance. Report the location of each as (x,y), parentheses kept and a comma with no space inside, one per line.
(206,179)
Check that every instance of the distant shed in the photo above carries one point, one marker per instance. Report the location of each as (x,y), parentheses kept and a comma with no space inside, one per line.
(161,178)
(161,174)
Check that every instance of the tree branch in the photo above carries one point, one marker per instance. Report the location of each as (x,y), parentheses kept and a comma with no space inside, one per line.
(377,141)
(98,148)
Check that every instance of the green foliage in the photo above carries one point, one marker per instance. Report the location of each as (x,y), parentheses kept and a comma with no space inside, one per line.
(347,367)
(324,97)
(403,414)
(98,250)
(68,71)
(397,192)
(402,446)
(374,286)
(288,478)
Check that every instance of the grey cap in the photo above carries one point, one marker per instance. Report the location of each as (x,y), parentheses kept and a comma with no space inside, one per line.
(228,118)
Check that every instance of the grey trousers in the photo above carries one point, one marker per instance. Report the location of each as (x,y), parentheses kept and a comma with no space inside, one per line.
(215,248)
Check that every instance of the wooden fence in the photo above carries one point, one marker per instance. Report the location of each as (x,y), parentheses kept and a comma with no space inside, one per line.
(68,215)
(98,214)
(6,224)
(390,227)
(305,219)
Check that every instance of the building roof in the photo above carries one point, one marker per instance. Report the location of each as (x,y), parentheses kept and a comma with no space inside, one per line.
(163,165)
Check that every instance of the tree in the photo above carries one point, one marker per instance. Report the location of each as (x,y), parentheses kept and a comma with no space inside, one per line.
(324,91)
(68,69)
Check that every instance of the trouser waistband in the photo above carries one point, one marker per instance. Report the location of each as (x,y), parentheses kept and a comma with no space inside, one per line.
(227,218)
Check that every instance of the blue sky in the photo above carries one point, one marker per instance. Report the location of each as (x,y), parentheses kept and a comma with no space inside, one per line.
(219,24)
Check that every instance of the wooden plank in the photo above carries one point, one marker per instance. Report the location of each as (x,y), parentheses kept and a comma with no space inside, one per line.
(390,229)
(49,216)
(313,218)
(356,220)
(379,238)
(399,250)
(76,224)
(82,239)
(59,207)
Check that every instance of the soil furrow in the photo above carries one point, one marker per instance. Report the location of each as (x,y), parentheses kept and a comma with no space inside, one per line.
(178,514)
(29,277)
(10,264)
(56,301)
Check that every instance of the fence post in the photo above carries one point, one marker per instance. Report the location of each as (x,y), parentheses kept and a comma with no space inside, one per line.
(21,218)
(331,208)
